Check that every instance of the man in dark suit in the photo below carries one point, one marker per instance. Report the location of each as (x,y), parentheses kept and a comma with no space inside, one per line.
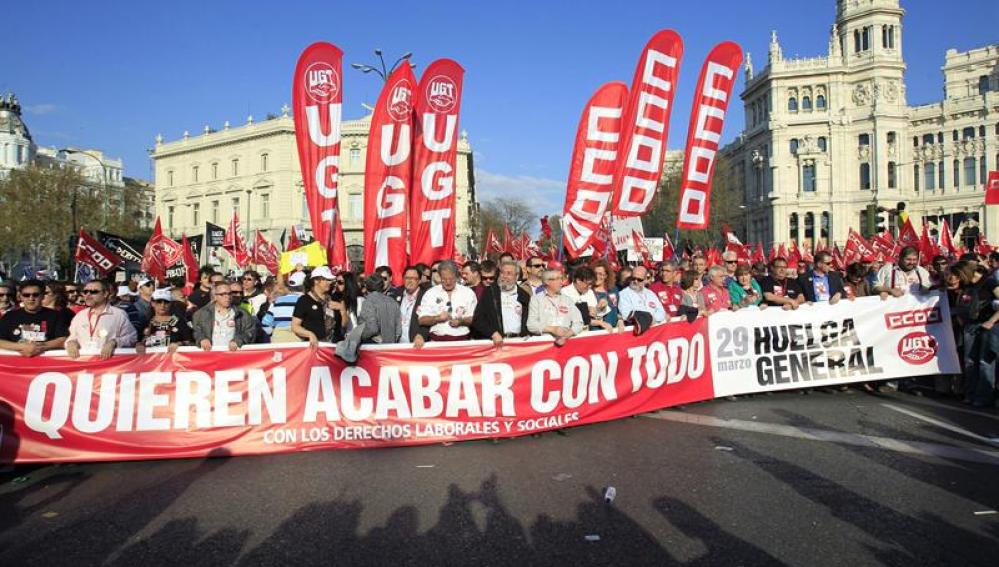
(502,310)
(821,283)
(409,299)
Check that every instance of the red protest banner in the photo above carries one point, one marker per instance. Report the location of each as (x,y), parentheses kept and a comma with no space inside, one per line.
(91,252)
(992,189)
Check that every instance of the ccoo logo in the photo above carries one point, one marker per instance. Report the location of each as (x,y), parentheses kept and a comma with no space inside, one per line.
(442,93)
(917,347)
(400,101)
(322,82)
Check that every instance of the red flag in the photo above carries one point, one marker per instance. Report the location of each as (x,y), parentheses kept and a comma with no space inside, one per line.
(945,244)
(591,172)
(265,253)
(546,228)
(982,246)
(927,249)
(793,255)
(759,256)
(992,188)
(907,235)
(388,174)
(713,257)
(508,241)
(781,251)
(669,251)
(91,252)
(234,243)
(732,243)
(645,127)
(883,243)
(431,221)
(160,253)
(640,247)
(711,98)
(493,244)
(293,240)
(317,99)
(190,265)
(861,246)
(837,258)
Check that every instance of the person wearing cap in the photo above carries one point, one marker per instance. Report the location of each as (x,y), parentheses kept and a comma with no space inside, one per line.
(308,319)
(447,308)
(125,300)
(552,313)
(220,325)
(637,298)
(280,311)
(143,301)
(165,328)
(100,328)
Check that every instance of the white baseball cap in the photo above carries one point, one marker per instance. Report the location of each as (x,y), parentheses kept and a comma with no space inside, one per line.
(322,272)
(163,294)
(145,281)
(296,279)
(124,291)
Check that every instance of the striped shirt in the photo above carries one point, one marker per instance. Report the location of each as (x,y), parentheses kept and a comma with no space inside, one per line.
(279,313)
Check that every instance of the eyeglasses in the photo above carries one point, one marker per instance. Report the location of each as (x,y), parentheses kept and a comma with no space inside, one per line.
(4,295)
(92,291)
(535,266)
(731,261)
(30,295)
(488,278)
(638,280)
(222,294)
(249,279)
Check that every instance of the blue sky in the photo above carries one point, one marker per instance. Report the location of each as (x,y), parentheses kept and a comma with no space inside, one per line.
(113,75)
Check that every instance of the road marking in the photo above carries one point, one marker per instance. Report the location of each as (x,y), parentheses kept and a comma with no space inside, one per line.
(870,441)
(941,424)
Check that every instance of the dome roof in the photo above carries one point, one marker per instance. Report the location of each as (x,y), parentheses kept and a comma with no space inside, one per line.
(10,117)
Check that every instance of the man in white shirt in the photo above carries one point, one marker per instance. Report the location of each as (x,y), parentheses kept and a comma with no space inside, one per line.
(905,277)
(447,308)
(409,301)
(100,327)
(552,313)
(636,297)
(579,291)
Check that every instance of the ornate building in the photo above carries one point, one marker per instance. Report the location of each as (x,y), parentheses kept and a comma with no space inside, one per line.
(827,136)
(254,170)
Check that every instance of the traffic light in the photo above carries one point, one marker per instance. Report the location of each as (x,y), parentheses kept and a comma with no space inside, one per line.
(870,220)
(883,220)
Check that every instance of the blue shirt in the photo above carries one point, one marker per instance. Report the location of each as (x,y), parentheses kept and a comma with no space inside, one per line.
(630,301)
(279,313)
(820,284)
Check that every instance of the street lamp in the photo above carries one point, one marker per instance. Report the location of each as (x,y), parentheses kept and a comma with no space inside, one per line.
(384,72)
(104,184)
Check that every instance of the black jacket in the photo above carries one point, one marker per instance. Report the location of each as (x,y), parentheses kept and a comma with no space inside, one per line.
(835,284)
(414,321)
(488,316)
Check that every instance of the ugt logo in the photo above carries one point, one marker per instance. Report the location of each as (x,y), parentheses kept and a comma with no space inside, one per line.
(442,93)
(400,102)
(321,82)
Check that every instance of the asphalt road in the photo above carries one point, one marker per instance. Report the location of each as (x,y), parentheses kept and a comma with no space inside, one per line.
(821,479)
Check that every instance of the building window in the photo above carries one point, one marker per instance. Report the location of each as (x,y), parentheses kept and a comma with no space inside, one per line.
(810,226)
(820,102)
(808,177)
(856,41)
(215,171)
(939,137)
(355,156)
(891,137)
(196,214)
(955,136)
(930,176)
(864,139)
(891,37)
(968,133)
(792,104)
(983,84)
(265,206)
(235,205)
(794,146)
(884,37)
(981,131)
(983,170)
(865,176)
(915,177)
(263,162)
(194,174)
(957,174)
(823,144)
(793,225)
(892,182)
(170,179)
(806,103)
(969,171)
(940,175)
(865,38)
(915,141)
(170,219)
(927,138)
(215,211)
(826,225)
(235,167)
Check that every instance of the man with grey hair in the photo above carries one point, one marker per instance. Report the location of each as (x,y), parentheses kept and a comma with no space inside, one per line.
(552,313)
(447,308)
(637,298)
(502,310)
(731,260)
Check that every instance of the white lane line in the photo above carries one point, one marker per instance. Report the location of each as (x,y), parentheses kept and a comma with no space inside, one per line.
(942,424)
(871,441)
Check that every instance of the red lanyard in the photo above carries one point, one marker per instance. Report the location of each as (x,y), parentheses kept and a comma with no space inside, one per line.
(93,324)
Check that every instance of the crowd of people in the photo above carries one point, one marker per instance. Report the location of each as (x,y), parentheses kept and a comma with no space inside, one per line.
(489,300)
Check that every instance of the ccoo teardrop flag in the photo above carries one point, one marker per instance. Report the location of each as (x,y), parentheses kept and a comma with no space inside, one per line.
(646,124)
(435,152)
(388,174)
(590,187)
(707,117)
(317,100)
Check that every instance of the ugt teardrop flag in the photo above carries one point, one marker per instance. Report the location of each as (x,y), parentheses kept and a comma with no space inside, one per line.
(707,117)
(431,221)
(591,172)
(388,174)
(317,100)
(646,124)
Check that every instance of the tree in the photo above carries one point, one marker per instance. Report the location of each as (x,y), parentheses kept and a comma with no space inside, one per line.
(500,212)
(726,197)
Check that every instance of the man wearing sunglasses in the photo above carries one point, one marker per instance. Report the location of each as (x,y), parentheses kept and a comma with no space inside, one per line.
(552,313)
(533,283)
(636,298)
(101,327)
(221,325)
(33,329)
(821,283)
